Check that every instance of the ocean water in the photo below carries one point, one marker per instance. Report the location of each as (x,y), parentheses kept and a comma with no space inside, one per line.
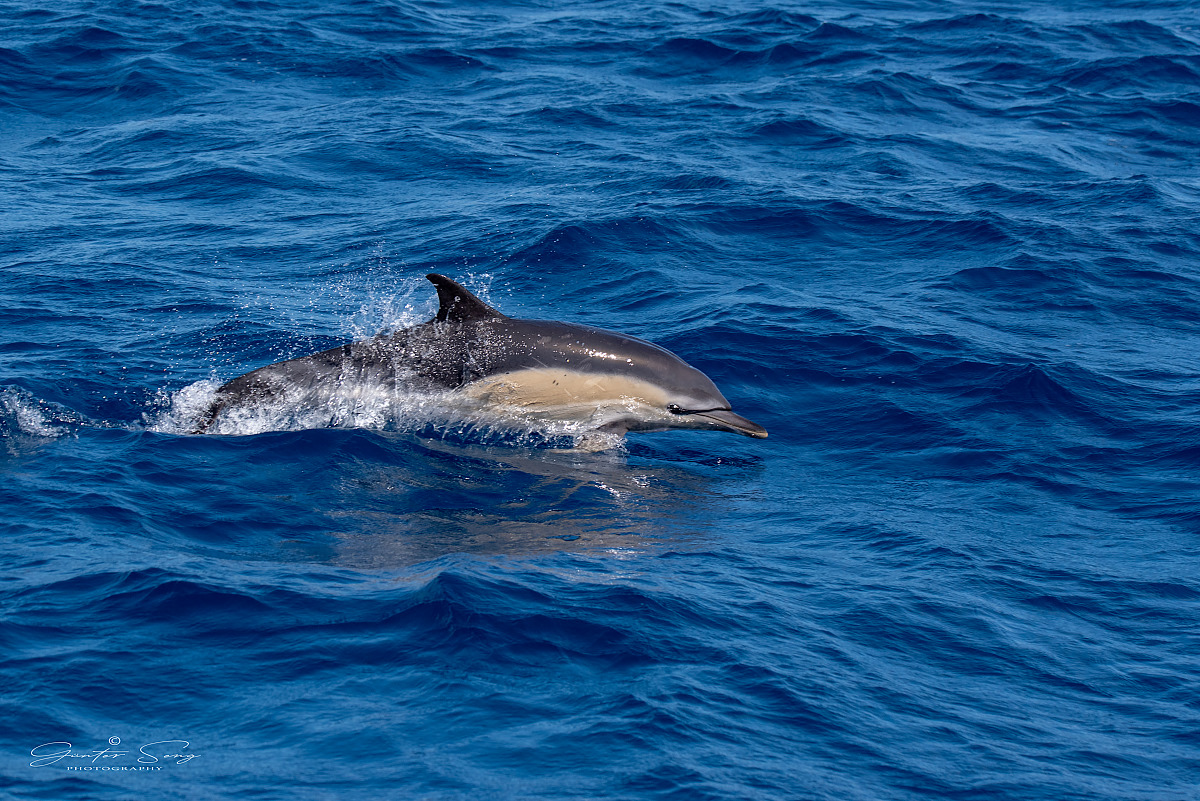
(946,252)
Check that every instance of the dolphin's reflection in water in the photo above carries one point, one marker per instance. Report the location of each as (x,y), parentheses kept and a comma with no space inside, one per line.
(447,498)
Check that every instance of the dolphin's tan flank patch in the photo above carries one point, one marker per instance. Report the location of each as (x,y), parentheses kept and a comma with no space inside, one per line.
(547,387)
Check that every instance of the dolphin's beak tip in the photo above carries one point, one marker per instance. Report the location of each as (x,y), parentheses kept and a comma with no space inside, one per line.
(731,421)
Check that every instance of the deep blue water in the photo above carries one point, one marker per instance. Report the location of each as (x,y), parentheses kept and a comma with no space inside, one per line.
(948,253)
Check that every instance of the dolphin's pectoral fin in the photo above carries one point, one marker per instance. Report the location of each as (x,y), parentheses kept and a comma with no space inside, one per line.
(456,304)
(617,428)
(595,442)
(604,438)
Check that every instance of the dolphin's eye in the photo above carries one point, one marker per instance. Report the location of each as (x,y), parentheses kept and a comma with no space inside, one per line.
(675,408)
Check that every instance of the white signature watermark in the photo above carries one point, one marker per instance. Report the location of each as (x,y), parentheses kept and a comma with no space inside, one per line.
(151,756)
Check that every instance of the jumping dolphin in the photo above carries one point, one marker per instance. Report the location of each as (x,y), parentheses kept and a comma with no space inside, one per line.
(541,368)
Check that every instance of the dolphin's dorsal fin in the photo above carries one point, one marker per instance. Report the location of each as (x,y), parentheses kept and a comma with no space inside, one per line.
(459,305)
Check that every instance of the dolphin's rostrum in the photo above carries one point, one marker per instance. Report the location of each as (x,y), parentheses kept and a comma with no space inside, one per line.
(539,368)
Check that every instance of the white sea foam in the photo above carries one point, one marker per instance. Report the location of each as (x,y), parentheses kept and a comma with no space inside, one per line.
(178,412)
(24,414)
(379,407)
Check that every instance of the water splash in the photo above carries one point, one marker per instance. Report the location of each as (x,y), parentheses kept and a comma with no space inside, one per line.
(450,415)
(26,418)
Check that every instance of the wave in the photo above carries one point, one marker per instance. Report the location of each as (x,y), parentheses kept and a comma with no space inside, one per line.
(946,256)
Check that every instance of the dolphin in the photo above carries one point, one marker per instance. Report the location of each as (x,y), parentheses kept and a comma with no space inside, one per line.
(540,369)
